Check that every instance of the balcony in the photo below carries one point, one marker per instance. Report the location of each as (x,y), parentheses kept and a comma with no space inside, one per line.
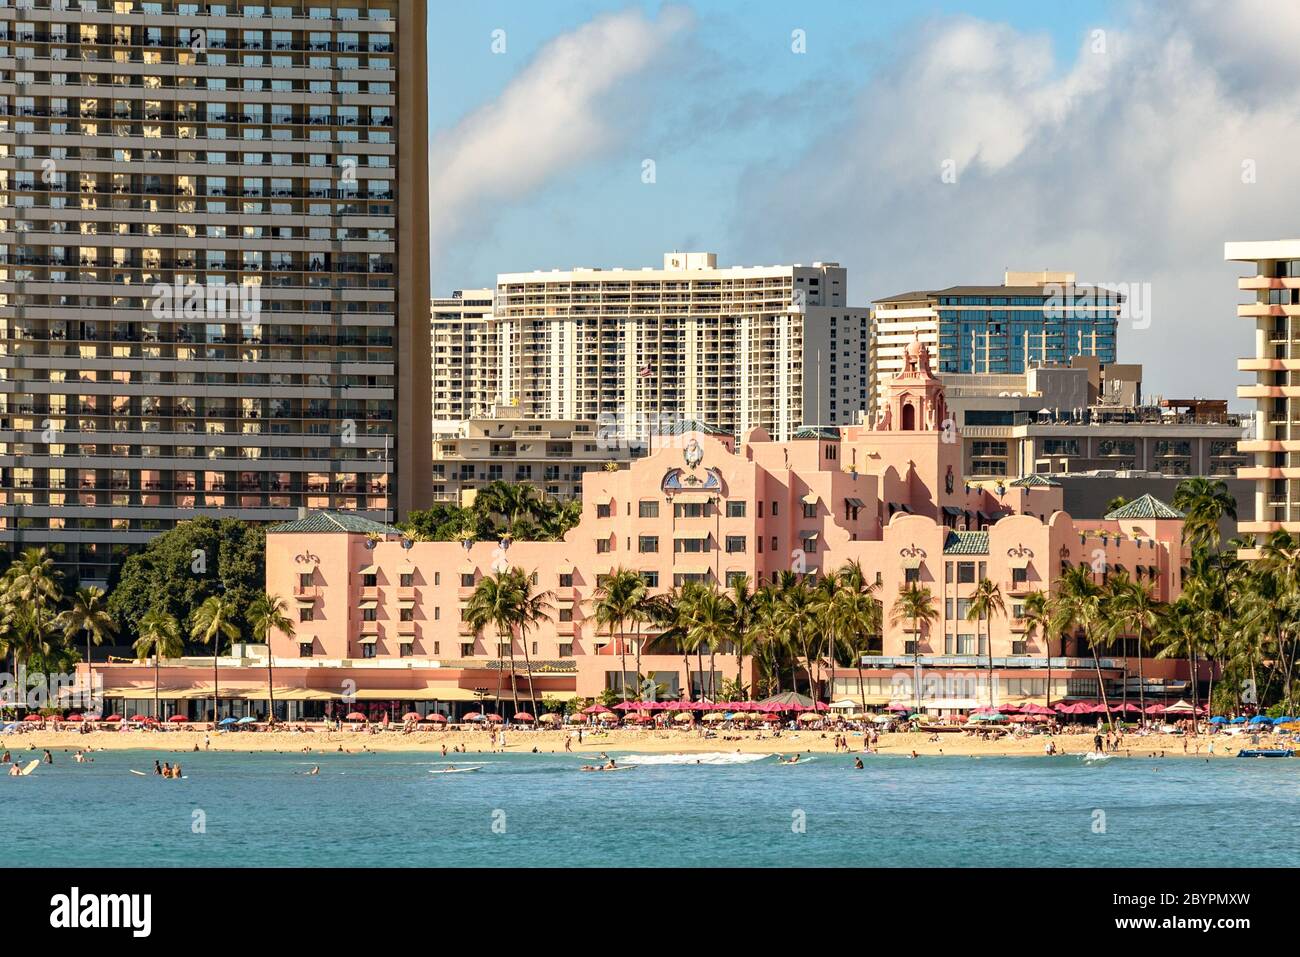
(1017,588)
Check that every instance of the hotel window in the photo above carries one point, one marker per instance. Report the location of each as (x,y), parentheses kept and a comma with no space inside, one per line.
(911,576)
(648,509)
(735,579)
(566,650)
(647,543)
(304,649)
(809,509)
(735,510)
(774,510)
(691,545)
(1019,647)
(467,649)
(369,581)
(965,644)
(437,578)
(404,649)
(963,608)
(306,614)
(651,579)
(566,614)
(367,614)
(735,543)
(467,580)
(406,580)
(437,647)
(688,509)
(909,646)
(1020,574)
(406,614)
(368,651)
(304,580)
(566,580)
(602,546)
(603,510)
(965,573)
(437,614)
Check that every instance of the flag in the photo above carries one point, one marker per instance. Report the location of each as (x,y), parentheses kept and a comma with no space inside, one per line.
(645,371)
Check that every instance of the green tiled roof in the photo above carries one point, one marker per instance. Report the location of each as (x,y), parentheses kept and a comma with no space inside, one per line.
(335,522)
(966,543)
(1148,506)
(817,432)
(690,425)
(1035,481)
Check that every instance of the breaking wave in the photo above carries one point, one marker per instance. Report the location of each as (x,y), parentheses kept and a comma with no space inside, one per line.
(708,757)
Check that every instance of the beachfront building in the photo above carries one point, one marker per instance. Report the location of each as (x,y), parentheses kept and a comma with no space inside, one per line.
(1275,448)
(213,267)
(382,615)
(739,347)
(1087,418)
(1033,318)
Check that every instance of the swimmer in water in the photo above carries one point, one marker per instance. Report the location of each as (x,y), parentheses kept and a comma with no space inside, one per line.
(857,764)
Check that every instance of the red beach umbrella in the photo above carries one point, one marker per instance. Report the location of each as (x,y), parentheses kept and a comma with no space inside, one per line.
(495,717)
(355,716)
(473,716)
(411,716)
(522,716)
(178,719)
(439,718)
(596,709)
(771,716)
(33,717)
(114,717)
(74,717)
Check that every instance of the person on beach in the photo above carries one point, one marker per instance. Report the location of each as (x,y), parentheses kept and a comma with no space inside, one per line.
(568,743)
(47,758)
(1096,743)
(444,750)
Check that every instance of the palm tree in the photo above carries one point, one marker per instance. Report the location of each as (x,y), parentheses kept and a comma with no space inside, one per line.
(857,617)
(1132,608)
(986,601)
(914,603)
(1206,503)
(712,622)
(618,599)
(1036,611)
(530,609)
(33,587)
(88,613)
(1077,606)
(495,601)
(266,614)
(743,606)
(159,637)
(212,622)
(796,616)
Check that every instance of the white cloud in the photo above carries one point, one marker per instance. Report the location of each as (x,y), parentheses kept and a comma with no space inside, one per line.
(553,116)
(1123,165)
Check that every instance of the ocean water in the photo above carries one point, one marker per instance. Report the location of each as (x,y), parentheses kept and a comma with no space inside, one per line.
(240,810)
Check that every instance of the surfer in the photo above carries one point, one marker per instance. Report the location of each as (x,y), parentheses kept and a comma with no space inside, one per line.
(315,769)
(15,771)
(857,764)
(47,758)
(157,768)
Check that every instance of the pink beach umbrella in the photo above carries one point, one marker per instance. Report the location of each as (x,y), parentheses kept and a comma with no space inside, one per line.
(522,716)
(74,717)
(596,709)
(495,717)
(438,718)
(33,718)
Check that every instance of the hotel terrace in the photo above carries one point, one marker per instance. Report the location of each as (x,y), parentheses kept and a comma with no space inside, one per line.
(380,615)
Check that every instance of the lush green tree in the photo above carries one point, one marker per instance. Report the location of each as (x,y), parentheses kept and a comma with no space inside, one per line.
(269,614)
(1077,606)
(620,598)
(986,601)
(915,603)
(1206,503)
(213,624)
(87,614)
(160,637)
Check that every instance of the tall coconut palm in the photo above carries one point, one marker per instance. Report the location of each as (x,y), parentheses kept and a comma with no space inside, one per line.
(531,609)
(618,599)
(495,601)
(986,601)
(33,584)
(266,615)
(159,638)
(743,605)
(88,613)
(857,614)
(1206,502)
(1133,609)
(915,603)
(712,623)
(1036,612)
(212,623)
(797,618)
(1077,606)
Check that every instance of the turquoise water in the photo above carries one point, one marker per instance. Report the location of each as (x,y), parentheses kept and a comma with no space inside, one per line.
(369,810)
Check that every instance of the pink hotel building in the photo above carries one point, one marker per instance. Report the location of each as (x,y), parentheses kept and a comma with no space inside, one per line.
(384,612)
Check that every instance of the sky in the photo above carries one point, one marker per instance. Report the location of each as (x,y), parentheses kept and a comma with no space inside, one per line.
(920,145)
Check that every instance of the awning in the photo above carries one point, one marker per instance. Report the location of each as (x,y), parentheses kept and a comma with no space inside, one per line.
(469,568)
(986,517)
(305,599)
(952,510)
(367,605)
(854,502)
(810,499)
(406,603)
(1117,567)
(564,568)
(305,694)
(406,570)
(690,536)
(369,570)
(406,639)
(808,536)
(912,561)
(692,569)
(369,640)
(693,498)
(899,507)
(1018,561)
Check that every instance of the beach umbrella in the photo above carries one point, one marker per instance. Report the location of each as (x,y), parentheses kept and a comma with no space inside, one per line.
(136,717)
(771,716)
(1261,719)
(472,716)
(248,719)
(522,716)
(640,718)
(683,718)
(809,716)
(411,716)
(895,706)
(554,718)
(178,718)
(351,716)
(1238,720)
(1218,719)
(715,716)
(495,717)
(1180,707)
(1008,707)
(234,721)
(597,709)
(73,717)
(114,717)
(440,718)
(33,717)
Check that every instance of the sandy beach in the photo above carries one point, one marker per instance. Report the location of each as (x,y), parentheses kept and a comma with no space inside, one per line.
(615,741)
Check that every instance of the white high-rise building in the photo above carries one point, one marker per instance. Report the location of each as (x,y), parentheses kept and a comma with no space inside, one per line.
(735,347)
(465,353)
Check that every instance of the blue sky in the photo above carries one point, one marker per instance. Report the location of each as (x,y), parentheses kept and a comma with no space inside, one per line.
(1084,135)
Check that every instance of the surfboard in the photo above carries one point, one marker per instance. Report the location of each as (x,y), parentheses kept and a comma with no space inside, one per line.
(621,767)
(141,773)
(453,770)
(29,767)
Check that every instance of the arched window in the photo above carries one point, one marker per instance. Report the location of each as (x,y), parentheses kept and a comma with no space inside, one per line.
(909,418)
